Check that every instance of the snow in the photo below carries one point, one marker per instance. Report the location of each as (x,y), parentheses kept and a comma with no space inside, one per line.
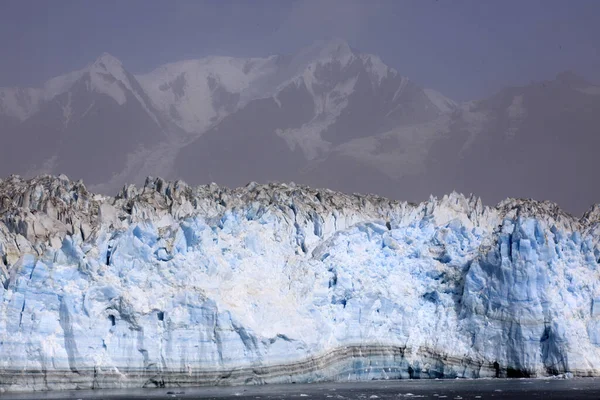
(197,94)
(22,103)
(106,76)
(67,110)
(334,50)
(184,86)
(516,112)
(321,52)
(186,90)
(405,151)
(183,89)
(404,81)
(516,109)
(166,282)
(475,120)
(19,103)
(60,84)
(328,107)
(376,68)
(441,102)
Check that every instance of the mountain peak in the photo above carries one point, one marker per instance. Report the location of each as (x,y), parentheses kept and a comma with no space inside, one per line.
(108,62)
(330,49)
(108,76)
(332,46)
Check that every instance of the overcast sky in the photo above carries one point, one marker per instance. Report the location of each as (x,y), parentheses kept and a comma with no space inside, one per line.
(466,49)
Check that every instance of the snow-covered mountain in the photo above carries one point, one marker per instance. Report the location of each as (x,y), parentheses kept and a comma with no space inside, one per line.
(104,76)
(535,141)
(102,115)
(330,96)
(171,285)
(199,93)
(87,123)
(327,116)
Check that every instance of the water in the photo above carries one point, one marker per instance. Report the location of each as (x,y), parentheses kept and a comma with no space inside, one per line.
(582,388)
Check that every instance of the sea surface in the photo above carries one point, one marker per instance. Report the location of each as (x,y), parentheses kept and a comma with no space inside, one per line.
(578,388)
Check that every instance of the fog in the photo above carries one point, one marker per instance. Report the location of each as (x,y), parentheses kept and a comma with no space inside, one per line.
(400,98)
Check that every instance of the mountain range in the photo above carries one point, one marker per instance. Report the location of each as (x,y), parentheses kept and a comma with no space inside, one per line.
(326,116)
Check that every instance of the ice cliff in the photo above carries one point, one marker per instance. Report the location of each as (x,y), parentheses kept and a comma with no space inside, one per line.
(171,285)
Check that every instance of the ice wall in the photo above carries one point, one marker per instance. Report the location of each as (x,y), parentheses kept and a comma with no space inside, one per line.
(170,285)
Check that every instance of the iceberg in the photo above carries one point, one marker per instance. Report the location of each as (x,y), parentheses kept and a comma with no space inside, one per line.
(171,285)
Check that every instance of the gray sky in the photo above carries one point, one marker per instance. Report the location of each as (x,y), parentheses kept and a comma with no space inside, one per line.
(466,49)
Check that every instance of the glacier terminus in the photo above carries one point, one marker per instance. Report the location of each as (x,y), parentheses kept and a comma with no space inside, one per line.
(171,285)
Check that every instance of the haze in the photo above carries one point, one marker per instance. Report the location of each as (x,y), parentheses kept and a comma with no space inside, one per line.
(501,100)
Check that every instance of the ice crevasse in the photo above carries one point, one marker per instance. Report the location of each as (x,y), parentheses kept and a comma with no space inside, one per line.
(172,285)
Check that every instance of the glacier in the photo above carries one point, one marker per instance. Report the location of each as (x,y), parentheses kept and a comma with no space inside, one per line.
(170,285)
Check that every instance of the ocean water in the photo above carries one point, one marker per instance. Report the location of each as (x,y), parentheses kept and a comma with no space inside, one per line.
(579,388)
